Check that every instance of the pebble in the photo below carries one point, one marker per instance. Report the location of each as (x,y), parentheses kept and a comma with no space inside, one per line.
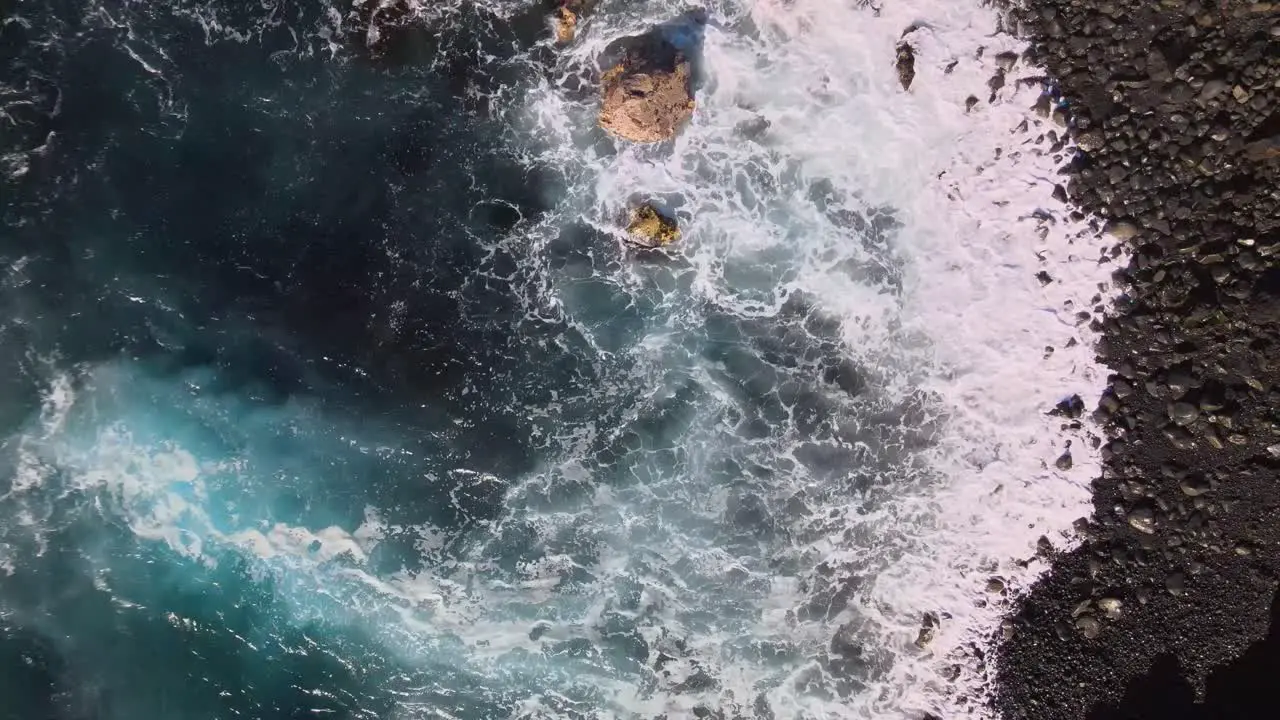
(1110,607)
(1064,461)
(1081,608)
(1091,141)
(1183,413)
(1142,520)
(1211,90)
(1194,486)
(1089,626)
(1176,584)
(1179,437)
(1122,230)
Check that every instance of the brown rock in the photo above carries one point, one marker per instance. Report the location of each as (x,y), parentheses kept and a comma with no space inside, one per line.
(651,229)
(648,95)
(569,15)
(566,25)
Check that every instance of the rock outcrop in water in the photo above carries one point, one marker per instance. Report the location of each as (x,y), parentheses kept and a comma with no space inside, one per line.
(651,229)
(647,96)
(906,64)
(568,15)
(566,24)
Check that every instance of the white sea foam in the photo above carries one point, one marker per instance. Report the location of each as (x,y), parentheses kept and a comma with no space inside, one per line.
(972,323)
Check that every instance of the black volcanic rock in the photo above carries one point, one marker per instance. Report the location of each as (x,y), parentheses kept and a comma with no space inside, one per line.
(1175,108)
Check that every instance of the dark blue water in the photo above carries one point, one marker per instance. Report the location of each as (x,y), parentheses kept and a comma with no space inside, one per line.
(265,244)
(293,428)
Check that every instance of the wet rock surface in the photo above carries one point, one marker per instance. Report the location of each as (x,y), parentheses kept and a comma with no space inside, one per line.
(568,16)
(647,96)
(651,228)
(1165,609)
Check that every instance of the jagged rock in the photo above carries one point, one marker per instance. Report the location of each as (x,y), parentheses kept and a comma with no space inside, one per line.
(568,16)
(566,25)
(929,625)
(648,95)
(906,64)
(651,229)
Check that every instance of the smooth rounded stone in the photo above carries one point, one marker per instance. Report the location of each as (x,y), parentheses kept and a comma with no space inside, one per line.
(1179,437)
(1211,437)
(1176,584)
(1180,382)
(1082,608)
(995,586)
(1091,141)
(1122,230)
(1195,485)
(1143,520)
(1064,461)
(1110,404)
(1110,607)
(1089,626)
(1211,90)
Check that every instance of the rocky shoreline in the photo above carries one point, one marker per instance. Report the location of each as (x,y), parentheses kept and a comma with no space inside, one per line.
(1169,607)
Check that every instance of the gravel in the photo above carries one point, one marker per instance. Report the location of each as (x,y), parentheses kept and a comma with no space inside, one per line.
(1175,109)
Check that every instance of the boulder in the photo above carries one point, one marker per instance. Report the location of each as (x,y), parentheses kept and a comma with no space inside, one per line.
(568,15)
(647,96)
(906,65)
(651,229)
(566,25)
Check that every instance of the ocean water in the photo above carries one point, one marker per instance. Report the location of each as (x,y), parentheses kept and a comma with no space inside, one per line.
(329,388)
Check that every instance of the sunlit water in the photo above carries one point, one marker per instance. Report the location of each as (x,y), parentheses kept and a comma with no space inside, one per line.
(329,388)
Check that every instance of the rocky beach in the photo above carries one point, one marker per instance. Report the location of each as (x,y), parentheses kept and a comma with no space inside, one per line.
(639,359)
(1168,608)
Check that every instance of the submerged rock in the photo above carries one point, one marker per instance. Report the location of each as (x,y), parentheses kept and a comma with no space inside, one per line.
(648,95)
(929,625)
(651,229)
